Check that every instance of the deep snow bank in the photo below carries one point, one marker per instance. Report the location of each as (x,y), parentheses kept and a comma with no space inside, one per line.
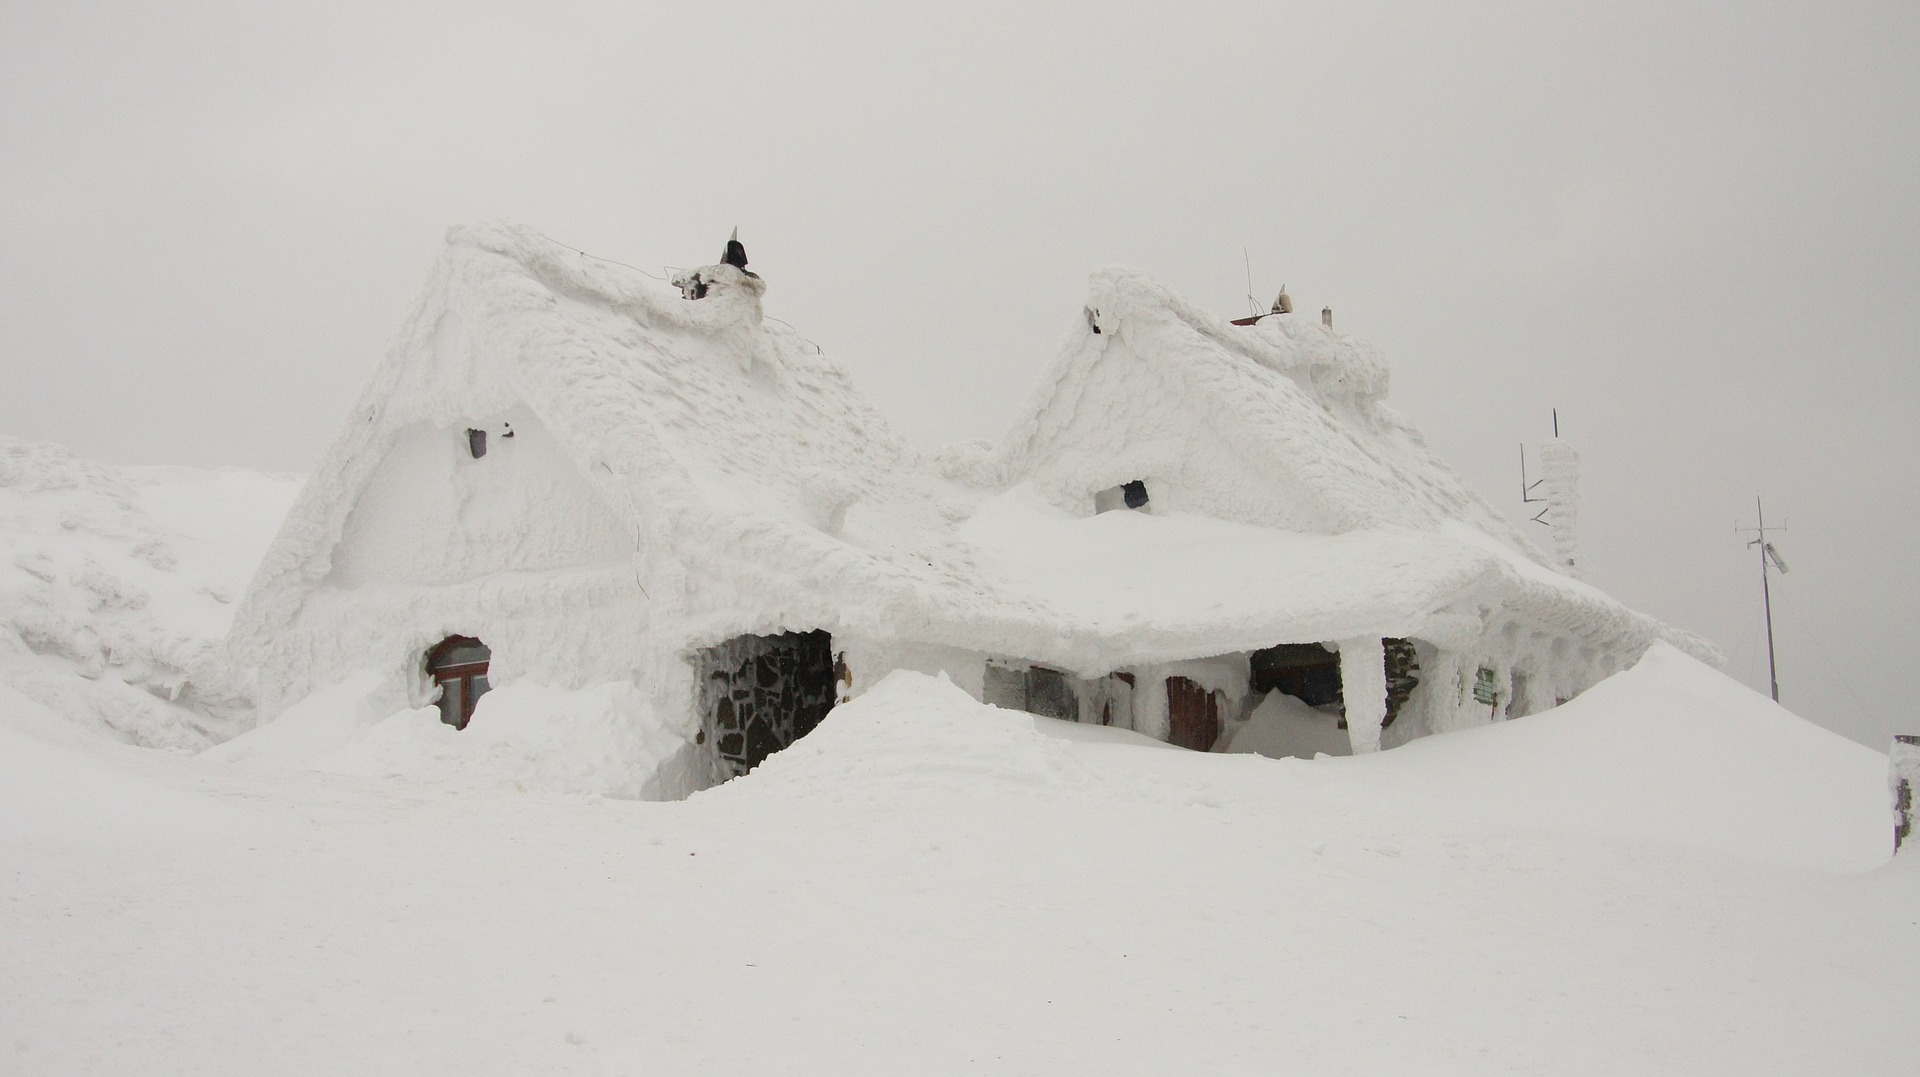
(1670,752)
(524,737)
(968,889)
(117,585)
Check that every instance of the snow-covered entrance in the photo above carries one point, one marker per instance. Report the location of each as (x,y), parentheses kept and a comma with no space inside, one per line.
(759,694)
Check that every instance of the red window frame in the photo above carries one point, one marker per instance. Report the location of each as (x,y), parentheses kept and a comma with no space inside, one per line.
(458,691)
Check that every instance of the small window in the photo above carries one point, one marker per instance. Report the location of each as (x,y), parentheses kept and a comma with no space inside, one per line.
(1034,689)
(476,443)
(1127,495)
(459,666)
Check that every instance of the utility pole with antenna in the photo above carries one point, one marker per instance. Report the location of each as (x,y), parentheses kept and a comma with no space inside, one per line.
(1768,556)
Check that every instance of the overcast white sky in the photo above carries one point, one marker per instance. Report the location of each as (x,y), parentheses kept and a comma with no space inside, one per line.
(1694,229)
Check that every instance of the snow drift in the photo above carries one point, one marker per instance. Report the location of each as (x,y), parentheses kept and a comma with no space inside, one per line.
(117,586)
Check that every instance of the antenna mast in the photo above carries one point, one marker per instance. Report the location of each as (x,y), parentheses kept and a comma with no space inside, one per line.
(1768,556)
(1253,308)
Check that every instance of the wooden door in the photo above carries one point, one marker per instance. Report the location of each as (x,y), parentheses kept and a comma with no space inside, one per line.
(1193,715)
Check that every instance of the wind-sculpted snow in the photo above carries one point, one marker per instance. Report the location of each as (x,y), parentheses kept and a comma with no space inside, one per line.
(117,586)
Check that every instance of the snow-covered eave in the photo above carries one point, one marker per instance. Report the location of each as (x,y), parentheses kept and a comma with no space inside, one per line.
(1576,609)
(800,578)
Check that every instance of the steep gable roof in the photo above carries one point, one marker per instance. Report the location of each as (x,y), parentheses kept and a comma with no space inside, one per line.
(760,489)
(1303,404)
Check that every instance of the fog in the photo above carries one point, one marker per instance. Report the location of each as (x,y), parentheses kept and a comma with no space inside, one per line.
(1695,233)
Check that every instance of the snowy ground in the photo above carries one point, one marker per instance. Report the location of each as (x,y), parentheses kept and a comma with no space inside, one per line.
(1667,875)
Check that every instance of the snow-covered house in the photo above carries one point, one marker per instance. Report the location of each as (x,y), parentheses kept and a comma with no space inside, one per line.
(569,474)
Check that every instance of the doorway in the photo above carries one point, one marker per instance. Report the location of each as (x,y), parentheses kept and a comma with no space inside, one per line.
(759,694)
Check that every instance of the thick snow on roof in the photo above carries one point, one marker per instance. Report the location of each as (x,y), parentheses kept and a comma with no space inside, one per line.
(763,491)
(730,442)
(1194,585)
(1302,404)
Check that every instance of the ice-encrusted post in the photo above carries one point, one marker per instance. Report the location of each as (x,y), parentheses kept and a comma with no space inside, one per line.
(1363,687)
(1903,765)
(1560,481)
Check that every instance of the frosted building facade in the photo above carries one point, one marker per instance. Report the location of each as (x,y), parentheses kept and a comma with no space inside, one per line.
(569,474)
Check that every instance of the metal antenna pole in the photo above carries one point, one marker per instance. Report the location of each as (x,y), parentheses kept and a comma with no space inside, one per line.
(1766,591)
(1766,599)
(1253,305)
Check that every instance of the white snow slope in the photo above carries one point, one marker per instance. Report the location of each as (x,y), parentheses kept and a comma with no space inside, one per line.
(1669,875)
(117,586)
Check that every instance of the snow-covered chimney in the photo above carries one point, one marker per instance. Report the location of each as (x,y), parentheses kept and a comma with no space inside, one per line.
(1326,317)
(1559,483)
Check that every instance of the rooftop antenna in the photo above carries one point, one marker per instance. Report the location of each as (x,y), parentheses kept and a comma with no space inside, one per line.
(1527,488)
(1768,556)
(1253,307)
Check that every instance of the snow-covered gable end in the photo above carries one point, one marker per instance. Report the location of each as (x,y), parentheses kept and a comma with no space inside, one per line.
(576,476)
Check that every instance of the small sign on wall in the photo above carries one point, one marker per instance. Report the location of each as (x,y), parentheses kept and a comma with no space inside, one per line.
(1486,688)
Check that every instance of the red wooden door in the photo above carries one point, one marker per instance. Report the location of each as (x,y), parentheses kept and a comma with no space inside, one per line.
(1193,715)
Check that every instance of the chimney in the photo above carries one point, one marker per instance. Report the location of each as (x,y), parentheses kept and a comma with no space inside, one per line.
(1326,317)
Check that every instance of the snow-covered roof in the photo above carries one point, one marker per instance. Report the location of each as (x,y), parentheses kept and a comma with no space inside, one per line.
(762,491)
(1302,405)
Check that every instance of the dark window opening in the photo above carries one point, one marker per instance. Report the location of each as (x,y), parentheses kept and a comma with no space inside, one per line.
(476,443)
(1306,671)
(1403,676)
(1034,689)
(759,694)
(1127,495)
(459,666)
(1193,714)
(1311,673)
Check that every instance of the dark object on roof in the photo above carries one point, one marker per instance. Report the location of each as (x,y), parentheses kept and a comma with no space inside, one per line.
(736,254)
